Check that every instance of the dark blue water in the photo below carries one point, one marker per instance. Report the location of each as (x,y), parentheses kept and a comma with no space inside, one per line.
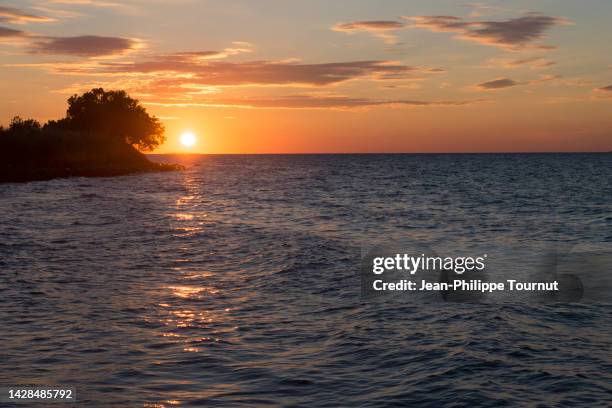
(236,283)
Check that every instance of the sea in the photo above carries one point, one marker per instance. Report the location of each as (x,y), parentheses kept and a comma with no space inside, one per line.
(238,283)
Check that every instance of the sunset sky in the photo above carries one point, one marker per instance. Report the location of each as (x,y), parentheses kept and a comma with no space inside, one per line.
(325,76)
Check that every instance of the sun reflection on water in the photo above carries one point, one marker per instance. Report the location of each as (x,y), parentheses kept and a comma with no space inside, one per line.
(184,309)
(186,291)
(198,275)
(185,315)
(183,216)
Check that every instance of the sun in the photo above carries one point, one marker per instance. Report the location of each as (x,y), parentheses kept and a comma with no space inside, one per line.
(188,139)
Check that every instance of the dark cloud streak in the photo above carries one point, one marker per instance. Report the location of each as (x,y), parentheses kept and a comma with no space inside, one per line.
(498,84)
(514,33)
(83,46)
(315,102)
(535,62)
(9,32)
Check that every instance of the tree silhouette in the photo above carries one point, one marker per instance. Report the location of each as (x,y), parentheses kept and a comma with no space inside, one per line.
(112,114)
(100,136)
(24,126)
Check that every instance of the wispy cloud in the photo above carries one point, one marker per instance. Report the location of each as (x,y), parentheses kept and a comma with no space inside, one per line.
(380,28)
(531,62)
(548,78)
(16,16)
(202,78)
(310,102)
(237,47)
(261,73)
(604,92)
(516,33)
(502,83)
(480,9)
(82,46)
(94,3)
(86,67)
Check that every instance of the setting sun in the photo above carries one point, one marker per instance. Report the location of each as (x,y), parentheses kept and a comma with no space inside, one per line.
(188,139)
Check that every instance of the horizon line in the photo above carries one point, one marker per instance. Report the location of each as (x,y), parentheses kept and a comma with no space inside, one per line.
(372,153)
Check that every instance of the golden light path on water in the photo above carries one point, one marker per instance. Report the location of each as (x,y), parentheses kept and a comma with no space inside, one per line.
(187,312)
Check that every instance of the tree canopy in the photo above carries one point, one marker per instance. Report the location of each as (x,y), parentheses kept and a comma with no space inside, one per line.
(114,114)
(19,125)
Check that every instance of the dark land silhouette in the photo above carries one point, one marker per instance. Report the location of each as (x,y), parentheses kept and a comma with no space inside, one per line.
(103,134)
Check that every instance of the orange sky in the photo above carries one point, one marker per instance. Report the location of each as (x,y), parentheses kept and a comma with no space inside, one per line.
(347,76)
